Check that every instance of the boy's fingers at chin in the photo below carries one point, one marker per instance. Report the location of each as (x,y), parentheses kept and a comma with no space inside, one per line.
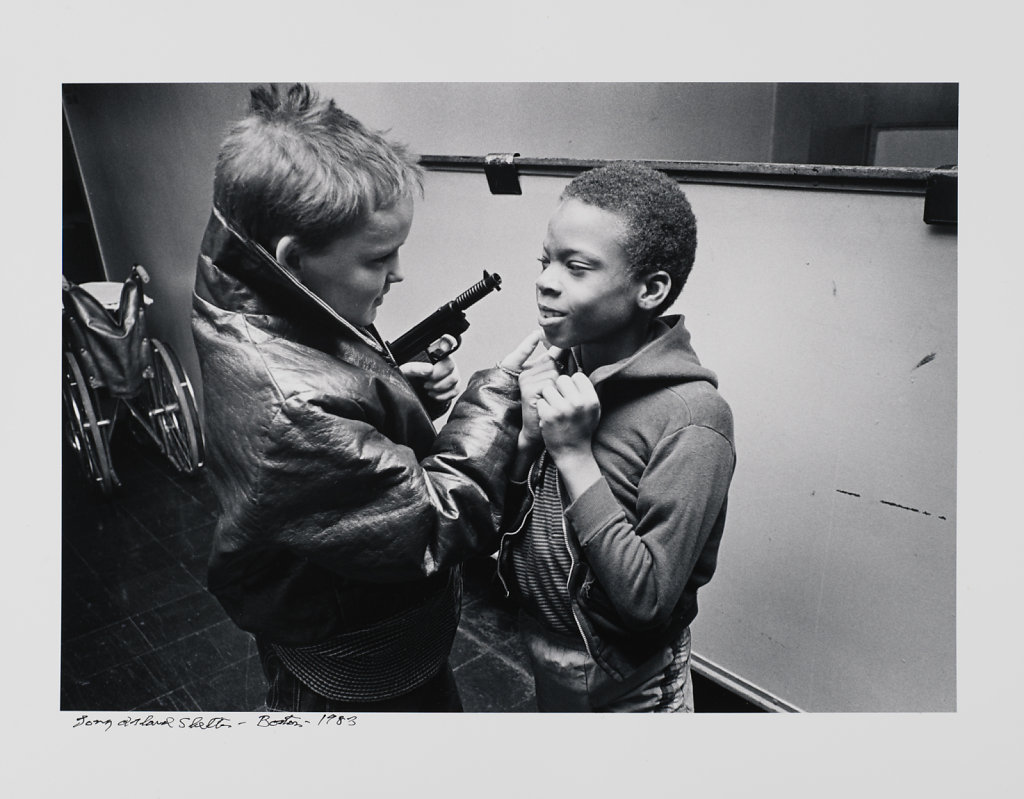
(543,354)
(517,358)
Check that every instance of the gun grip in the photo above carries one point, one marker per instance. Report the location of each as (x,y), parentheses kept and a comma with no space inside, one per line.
(443,347)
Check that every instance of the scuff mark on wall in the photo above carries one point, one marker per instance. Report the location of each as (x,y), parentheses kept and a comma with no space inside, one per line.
(905,507)
(926,359)
(892,504)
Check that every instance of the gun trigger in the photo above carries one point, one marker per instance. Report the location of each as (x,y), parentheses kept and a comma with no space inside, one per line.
(443,347)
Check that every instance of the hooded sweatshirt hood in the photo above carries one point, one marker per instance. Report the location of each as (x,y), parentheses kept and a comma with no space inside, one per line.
(666,359)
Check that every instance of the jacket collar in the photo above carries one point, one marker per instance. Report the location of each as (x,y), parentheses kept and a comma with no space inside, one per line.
(238,274)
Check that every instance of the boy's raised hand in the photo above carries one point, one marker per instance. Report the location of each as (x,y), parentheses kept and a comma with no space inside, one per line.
(538,371)
(568,411)
(514,361)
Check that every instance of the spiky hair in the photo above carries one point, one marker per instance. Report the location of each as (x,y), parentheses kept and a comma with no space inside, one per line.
(298,165)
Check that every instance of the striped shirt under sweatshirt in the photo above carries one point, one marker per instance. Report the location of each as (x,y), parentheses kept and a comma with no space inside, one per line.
(540,555)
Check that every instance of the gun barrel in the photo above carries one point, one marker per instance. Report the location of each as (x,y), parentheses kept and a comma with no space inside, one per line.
(448,319)
(478,291)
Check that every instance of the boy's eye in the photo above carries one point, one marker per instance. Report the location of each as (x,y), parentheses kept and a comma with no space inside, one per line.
(544,261)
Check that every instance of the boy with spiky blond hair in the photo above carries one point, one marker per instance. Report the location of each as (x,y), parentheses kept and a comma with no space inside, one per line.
(344,514)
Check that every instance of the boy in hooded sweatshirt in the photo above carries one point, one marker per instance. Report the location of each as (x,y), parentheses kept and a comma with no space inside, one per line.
(618,498)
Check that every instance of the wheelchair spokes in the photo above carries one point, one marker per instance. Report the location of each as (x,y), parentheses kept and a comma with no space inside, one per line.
(172,411)
(84,429)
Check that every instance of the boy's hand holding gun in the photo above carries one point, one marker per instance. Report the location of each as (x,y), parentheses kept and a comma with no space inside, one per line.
(440,380)
(423,352)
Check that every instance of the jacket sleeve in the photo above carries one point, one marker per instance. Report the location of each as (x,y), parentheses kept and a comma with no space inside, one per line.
(644,568)
(338,492)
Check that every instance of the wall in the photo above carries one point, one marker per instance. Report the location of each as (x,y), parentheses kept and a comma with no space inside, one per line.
(695,121)
(833,123)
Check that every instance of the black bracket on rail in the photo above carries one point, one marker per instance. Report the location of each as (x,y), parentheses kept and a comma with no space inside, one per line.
(940,197)
(502,173)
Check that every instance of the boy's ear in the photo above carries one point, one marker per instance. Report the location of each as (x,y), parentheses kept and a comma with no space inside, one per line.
(287,253)
(653,290)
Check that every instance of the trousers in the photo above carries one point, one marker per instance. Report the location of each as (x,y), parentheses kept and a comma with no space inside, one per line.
(566,677)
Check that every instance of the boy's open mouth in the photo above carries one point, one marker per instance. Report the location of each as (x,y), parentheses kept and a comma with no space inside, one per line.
(549,313)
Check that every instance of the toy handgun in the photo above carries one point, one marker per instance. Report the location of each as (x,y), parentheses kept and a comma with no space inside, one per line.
(444,327)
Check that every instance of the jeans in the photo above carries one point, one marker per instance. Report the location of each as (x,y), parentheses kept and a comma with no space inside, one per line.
(566,676)
(285,693)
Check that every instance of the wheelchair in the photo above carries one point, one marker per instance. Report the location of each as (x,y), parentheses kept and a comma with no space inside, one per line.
(113,370)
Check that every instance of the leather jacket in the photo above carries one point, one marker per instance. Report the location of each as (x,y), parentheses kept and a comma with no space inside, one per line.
(341,506)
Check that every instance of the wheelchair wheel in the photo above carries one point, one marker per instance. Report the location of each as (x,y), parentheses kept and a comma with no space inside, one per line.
(82,428)
(173,411)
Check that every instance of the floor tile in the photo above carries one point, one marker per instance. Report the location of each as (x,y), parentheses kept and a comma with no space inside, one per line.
(195,612)
(167,512)
(465,648)
(512,650)
(101,529)
(528,705)
(173,701)
(77,617)
(489,684)
(238,687)
(489,622)
(191,546)
(198,487)
(117,566)
(101,649)
(72,565)
(121,687)
(232,643)
(193,657)
(87,604)
(146,592)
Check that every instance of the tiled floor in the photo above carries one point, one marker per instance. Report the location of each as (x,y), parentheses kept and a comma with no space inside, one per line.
(140,632)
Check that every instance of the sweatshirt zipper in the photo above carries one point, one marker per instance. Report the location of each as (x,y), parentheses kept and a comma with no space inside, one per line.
(572,567)
(519,529)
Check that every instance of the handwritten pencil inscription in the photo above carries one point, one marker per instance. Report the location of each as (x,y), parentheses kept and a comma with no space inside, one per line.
(261,720)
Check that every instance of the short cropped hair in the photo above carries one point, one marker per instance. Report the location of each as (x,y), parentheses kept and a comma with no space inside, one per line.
(661,230)
(298,165)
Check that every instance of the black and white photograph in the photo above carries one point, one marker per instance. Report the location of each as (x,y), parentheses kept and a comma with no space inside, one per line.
(228,519)
(408,411)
